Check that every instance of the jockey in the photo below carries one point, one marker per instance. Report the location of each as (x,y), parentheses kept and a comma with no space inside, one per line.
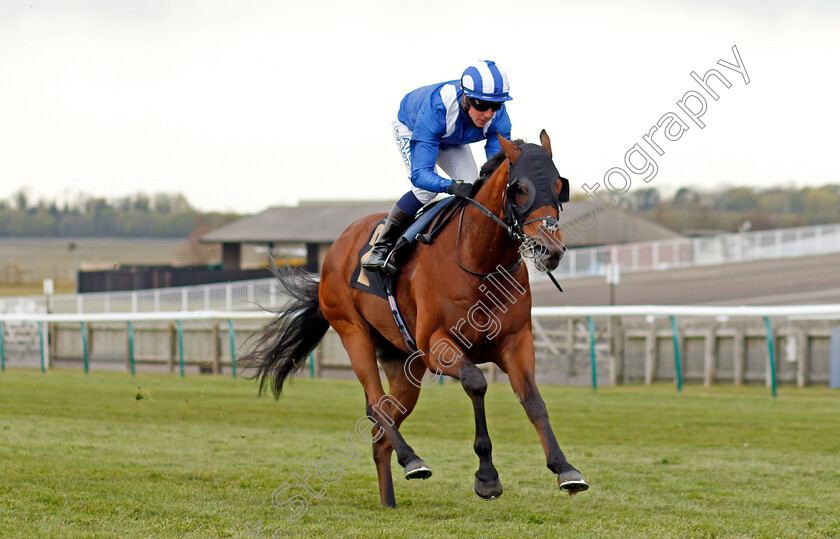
(433,126)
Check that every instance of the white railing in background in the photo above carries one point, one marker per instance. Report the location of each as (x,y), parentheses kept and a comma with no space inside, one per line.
(701,251)
(240,295)
(577,263)
(793,312)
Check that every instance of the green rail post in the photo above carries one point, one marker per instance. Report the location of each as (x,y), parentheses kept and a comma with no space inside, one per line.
(84,346)
(232,347)
(677,363)
(2,350)
(592,353)
(131,345)
(181,345)
(41,339)
(311,364)
(772,356)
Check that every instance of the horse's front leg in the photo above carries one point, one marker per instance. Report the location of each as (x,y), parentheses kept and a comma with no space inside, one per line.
(518,362)
(452,362)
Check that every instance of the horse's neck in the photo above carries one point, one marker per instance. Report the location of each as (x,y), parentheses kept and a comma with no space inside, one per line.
(484,243)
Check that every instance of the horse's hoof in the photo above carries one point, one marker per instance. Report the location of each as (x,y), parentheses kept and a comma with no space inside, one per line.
(572,482)
(488,490)
(417,469)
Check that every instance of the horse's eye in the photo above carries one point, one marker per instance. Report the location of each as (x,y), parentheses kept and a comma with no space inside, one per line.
(520,194)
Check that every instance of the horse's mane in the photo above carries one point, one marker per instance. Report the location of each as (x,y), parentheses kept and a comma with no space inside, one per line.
(488,168)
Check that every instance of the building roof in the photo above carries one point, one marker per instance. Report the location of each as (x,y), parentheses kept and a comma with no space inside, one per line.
(582,223)
(585,223)
(309,222)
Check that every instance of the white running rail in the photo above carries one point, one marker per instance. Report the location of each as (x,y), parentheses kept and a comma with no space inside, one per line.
(239,295)
(702,251)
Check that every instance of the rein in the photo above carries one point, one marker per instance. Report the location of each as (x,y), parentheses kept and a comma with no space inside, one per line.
(458,241)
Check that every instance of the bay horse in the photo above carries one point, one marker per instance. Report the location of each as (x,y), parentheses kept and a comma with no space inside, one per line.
(443,292)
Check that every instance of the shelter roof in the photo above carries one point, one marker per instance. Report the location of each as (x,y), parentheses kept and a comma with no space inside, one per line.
(308,222)
(585,223)
(582,222)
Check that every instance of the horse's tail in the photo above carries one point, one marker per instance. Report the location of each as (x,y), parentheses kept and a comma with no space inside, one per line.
(284,343)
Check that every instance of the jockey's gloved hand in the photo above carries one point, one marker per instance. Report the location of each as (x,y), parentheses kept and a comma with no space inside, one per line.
(460,189)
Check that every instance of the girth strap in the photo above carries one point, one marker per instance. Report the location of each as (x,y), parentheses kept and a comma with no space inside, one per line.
(390,281)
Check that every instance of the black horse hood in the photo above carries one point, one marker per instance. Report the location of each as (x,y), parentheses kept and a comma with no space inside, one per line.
(535,169)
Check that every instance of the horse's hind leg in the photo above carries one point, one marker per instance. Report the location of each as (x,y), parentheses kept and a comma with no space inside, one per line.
(520,371)
(358,343)
(406,394)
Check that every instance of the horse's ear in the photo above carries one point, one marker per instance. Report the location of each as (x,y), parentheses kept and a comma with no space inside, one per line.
(511,150)
(546,142)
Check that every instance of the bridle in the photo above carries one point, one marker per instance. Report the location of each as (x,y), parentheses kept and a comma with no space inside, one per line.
(539,195)
(528,245)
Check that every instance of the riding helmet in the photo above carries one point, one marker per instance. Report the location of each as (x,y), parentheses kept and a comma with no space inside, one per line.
(486,81)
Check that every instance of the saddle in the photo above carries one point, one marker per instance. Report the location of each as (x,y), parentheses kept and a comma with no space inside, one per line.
(431,220)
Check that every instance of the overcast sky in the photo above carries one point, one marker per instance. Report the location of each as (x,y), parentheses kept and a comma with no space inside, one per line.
(245,104)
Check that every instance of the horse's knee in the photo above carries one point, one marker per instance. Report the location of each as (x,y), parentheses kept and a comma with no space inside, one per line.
(473,381)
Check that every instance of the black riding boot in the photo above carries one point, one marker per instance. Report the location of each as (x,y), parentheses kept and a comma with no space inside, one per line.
(395,224)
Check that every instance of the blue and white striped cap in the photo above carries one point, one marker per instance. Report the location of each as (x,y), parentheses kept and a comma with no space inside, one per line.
(486,81)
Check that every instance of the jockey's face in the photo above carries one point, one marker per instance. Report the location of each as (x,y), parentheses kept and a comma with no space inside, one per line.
(480,119)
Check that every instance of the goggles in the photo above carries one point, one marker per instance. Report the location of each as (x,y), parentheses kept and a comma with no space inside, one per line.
(483,106)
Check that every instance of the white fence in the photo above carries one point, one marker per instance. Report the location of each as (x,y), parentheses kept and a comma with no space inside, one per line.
(240,295)
(157,338)
(702,251)
(574,345)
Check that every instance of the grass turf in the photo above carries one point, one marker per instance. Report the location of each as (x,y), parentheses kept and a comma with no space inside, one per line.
(108,455)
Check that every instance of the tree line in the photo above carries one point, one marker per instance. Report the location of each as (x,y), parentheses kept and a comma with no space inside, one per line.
(160,215)
(170,215)
(733,209)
